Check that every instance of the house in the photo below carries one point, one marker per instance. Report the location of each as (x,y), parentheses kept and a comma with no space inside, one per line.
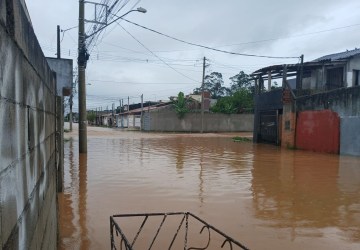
(104,118)
(133,117)
(194,101)
(325,73)
(317,106)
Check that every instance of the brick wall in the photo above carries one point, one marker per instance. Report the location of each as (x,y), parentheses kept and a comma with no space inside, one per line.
(288,127)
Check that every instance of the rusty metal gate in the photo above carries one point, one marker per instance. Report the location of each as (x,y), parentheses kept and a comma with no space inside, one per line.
(269,126)
(177,227)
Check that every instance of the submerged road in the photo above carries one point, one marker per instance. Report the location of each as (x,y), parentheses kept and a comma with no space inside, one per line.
(263,196)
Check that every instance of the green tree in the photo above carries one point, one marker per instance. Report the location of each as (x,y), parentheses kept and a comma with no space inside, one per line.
(91,116)
(214,84)
(240,81)
(243,99)
(181,105)
(224,105)
(237,103)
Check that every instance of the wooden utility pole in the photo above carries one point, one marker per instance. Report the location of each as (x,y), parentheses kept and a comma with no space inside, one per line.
(202,97)
(82,90)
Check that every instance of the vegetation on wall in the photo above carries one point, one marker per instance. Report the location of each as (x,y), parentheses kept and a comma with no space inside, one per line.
(181,105)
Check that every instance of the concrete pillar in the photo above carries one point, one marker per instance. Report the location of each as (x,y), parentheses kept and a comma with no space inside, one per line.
(269,81)
(288,127)
(284,79)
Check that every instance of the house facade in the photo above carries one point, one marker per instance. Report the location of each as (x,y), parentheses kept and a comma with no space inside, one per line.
(316,108)
(334,71)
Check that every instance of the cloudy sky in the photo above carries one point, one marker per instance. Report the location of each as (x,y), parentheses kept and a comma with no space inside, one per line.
(146,63)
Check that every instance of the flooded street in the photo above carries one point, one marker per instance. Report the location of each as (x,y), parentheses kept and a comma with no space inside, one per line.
(261,195)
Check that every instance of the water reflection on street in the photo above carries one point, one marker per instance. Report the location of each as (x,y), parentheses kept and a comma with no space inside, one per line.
(260,195)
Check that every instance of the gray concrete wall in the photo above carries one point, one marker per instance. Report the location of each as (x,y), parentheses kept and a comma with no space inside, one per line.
(353,64)
(28,213)
(344,101)
(166,120)
(350,136)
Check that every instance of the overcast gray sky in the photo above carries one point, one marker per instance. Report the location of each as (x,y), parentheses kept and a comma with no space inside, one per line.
(121,67)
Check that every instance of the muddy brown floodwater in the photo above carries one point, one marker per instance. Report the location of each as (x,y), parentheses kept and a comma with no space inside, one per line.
(261,195)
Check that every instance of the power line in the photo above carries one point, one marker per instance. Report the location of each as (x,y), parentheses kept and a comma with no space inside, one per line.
(156,55)
(286,37)
(160,83)
(209,48)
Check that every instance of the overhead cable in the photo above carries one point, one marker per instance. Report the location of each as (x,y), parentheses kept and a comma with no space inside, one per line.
(156,55)
(210,48)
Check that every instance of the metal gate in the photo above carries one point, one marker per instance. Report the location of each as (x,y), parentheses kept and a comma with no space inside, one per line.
(178,227)
(269,126)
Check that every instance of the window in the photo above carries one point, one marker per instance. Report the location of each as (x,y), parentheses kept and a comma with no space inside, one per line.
(356,77)
(334,78)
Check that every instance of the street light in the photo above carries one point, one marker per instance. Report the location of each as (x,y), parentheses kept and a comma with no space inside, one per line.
(140,9)
(82,59)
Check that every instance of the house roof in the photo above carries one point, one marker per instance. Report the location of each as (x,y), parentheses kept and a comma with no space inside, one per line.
(277,70)
(336,59)
(158,106)
(195,97)
(339,56)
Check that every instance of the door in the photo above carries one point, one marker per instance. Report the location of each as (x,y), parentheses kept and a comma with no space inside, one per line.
(269,126)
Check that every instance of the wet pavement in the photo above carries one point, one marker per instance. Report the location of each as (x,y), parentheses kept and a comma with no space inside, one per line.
(261,195)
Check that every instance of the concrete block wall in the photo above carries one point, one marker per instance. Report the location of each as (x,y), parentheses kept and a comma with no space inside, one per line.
(350,136)
(28,214)
(344,101)
(166,120)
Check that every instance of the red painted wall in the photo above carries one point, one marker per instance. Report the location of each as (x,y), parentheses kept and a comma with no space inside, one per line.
(318,131)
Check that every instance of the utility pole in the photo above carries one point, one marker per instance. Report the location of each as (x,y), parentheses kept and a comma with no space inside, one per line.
(122,112)
(58,53)
(96,116)
(142,108)
(83,56)
(301,72)
(82,91)
(128,111)
(202,97)
(113,115)
(71,104)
